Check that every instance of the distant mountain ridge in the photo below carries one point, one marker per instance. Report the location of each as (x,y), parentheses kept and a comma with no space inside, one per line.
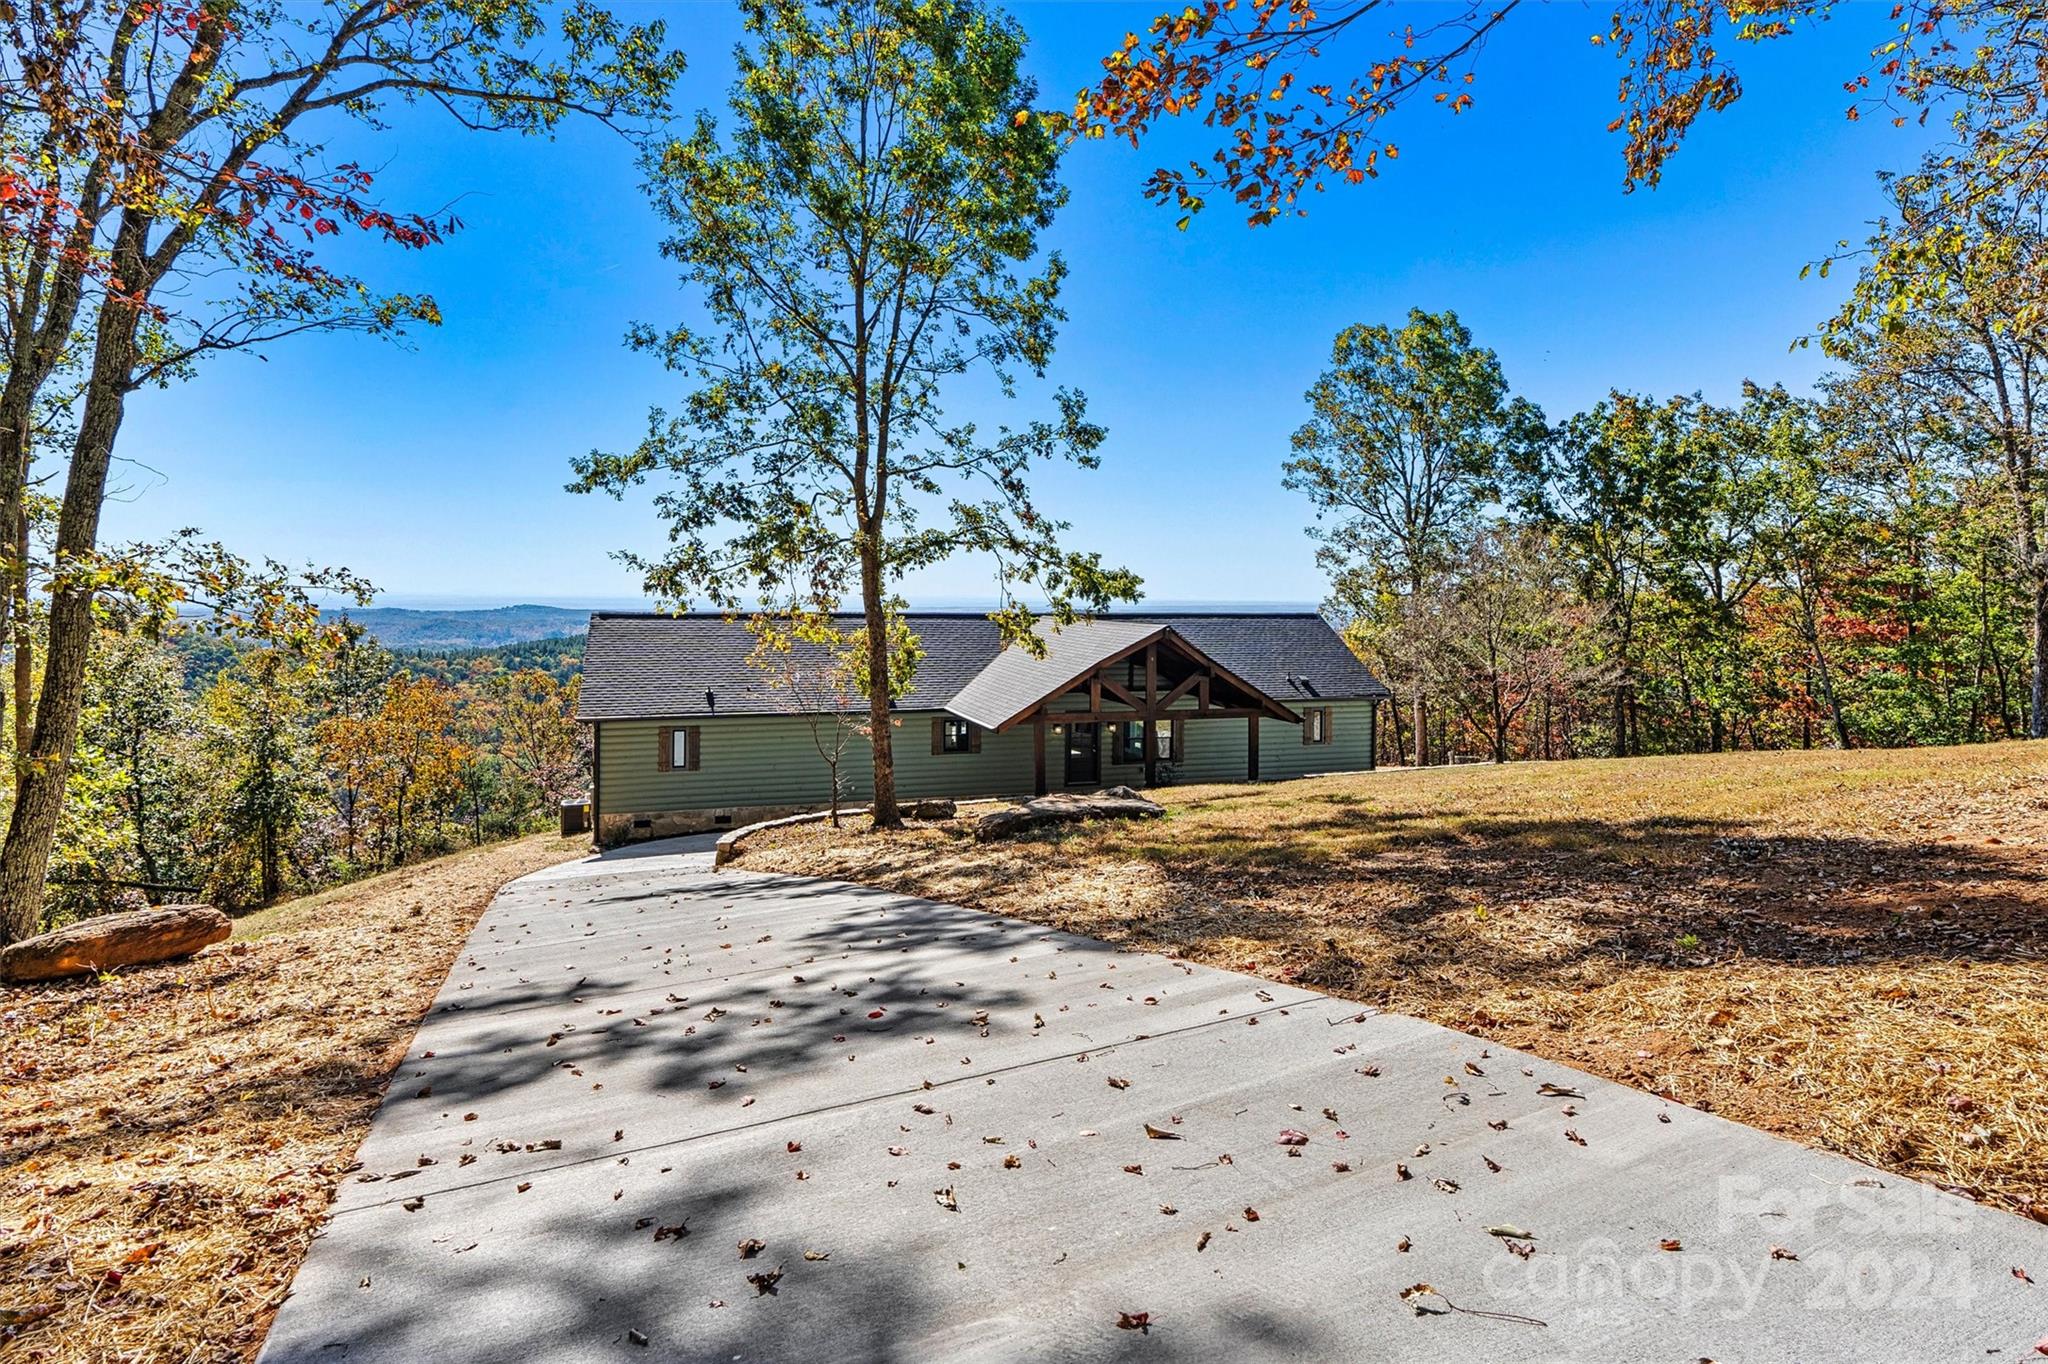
(398,627)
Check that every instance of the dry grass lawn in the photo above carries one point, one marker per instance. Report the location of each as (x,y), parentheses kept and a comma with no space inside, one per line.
(1843,948)
(170,1137)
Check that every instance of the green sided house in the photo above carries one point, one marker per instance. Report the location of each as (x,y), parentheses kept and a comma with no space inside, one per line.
(689,735)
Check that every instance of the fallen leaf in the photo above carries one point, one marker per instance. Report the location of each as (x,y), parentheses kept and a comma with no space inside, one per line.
(815,1255)
(1117,1082)
(1251,1214)
(1781,1253)
(945,1199)
(765,1281)
(1134,1321)
(1509,1229)
(751,1247)
(1670,1243)
(1290,1137)
(1161,1134)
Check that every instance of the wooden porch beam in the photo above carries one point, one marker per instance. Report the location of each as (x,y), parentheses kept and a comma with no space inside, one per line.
(1251,749)
(1120,692)
(1038,787)
(1186,686)
(1152,713)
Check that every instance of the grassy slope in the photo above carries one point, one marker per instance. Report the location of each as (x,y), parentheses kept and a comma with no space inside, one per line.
(1844,948)
(169,1138)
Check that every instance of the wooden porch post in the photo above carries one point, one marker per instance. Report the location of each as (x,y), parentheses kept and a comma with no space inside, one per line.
(1038,756)
(1251,749)
(1152,714)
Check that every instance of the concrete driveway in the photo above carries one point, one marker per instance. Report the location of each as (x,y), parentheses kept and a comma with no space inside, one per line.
(955,1137)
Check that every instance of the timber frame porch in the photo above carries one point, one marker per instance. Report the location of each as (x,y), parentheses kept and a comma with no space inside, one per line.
(1099,673)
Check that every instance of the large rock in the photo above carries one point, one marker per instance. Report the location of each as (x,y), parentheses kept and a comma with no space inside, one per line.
(131,939)
(1118,802)
(934,809)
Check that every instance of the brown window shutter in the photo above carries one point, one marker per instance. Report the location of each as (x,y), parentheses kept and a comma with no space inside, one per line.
(1308,727)
(695,746)
(1329,722)
(974,738)
(665,741)
(1180,742)
(939,735)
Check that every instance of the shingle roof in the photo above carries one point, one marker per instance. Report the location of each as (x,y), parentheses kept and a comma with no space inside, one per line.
(1016,679)
(659,666)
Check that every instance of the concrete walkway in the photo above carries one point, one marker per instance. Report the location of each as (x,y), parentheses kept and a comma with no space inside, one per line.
(934,1122)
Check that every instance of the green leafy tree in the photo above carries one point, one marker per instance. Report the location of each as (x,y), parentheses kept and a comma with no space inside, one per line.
(260,750)
(146,727)
(1595,485)
(1951,310)
(860,241)
(1408,433)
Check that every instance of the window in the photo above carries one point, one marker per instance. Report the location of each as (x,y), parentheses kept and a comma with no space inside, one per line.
(953,735)
(1315,725)
(680,749)
(1130,741)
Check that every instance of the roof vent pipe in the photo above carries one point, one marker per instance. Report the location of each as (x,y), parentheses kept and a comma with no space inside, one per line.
(710,699)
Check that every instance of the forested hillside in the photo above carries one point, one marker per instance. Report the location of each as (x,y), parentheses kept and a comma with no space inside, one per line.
(400,628)
(238,771)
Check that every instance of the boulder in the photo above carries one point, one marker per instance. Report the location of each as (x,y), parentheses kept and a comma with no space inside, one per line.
(1118,802)
(934,809)
(131,939)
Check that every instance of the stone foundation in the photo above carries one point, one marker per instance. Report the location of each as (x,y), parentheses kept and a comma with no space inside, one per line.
(614,830)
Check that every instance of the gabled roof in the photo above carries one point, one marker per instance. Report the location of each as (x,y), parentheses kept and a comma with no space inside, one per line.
(652,666)
(1017,681)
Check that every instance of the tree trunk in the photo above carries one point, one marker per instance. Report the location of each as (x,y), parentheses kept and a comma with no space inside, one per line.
(1397,734)
(1421,728)
(2037,717)
(39,788)
(883,812)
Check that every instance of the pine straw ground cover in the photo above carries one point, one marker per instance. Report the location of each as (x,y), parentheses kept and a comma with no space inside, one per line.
(1846,949)
(170,1137)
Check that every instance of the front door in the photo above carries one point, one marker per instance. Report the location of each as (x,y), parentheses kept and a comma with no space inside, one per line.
(1084,755)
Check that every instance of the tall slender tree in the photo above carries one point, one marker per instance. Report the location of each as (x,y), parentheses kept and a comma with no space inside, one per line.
(193,178)
(1956,313)
(859,239)
(1407,434)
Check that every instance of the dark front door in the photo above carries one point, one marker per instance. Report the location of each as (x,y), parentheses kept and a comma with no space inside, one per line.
(1084,755)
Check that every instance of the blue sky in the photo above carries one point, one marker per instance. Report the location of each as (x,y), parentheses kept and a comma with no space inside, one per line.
(436,469)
